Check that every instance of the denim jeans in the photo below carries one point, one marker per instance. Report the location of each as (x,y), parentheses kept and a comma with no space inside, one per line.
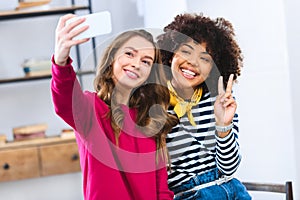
(231,190)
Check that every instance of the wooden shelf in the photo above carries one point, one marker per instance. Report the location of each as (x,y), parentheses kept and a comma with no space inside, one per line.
(17,14)
(38,157)
(36,142)
(32,78)
(22,79)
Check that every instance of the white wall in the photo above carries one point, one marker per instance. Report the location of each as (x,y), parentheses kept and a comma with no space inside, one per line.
(155,19)
(264,93)
(293,40)
(267,94)
(267,91)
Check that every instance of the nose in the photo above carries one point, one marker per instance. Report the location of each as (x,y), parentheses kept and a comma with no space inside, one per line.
(193,60)
(135,62)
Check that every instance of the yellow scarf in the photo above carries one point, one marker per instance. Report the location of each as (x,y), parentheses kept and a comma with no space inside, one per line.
(181,106)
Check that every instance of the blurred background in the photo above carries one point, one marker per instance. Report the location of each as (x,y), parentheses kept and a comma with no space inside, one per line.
(268,33)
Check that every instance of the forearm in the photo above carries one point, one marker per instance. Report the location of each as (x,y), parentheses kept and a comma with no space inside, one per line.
(62,84)
(228,152)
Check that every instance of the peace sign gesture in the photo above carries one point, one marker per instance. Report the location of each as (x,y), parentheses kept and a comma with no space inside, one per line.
(225,105)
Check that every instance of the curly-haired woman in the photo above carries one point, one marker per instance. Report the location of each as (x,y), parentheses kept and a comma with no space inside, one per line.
(203,57)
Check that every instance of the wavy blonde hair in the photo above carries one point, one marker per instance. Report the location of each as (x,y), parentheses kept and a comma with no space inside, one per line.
(152,120)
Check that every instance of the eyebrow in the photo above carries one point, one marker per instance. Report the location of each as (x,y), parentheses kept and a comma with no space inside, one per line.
(135,50)
(189,46)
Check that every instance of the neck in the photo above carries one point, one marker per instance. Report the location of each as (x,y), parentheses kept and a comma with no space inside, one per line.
(121,96)
(183,92)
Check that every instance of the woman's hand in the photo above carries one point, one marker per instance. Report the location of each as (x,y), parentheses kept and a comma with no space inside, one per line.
(225,105)
(64,35)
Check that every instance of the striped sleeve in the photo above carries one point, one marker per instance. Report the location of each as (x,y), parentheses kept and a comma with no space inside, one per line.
(227,150)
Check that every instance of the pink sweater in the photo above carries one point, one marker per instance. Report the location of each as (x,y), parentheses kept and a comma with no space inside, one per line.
(125,172)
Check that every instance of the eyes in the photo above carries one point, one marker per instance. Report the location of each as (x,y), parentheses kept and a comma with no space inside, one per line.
(188,53)
(145,61)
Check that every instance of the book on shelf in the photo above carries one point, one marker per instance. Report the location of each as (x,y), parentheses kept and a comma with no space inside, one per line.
(21,137)
(2,139)
(37,67)
(38,73)
(30,131)
(67,133)
(33,4)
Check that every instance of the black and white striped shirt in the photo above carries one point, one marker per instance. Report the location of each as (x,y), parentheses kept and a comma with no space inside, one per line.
(196,149)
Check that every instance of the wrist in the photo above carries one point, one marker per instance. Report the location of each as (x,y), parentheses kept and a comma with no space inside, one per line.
(224,129)
(61,63)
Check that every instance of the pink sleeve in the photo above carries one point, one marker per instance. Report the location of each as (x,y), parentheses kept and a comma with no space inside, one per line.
(68,99)
(162,185)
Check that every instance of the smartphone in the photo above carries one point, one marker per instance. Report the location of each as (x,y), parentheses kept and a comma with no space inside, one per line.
(99,24)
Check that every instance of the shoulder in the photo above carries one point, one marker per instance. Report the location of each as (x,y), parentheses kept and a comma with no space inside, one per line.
(207,99)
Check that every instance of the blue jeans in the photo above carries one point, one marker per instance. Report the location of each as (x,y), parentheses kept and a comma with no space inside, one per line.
(231,190)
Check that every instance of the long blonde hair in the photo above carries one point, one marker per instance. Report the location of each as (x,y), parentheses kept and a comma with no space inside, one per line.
(142,98)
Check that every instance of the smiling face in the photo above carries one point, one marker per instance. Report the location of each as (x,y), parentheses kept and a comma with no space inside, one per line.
(191,65)
(133,63)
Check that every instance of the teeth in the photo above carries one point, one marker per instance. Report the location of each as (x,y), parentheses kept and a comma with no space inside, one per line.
(188,72)
(131,74)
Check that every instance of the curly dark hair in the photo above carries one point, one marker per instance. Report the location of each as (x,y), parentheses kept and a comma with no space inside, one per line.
(219,37)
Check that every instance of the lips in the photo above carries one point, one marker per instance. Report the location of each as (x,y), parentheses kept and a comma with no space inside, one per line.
(131,74)
(188,73)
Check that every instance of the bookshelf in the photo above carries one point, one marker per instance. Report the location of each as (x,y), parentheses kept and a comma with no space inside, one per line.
(32,78)
(16,14)
(34,158)
(21,14)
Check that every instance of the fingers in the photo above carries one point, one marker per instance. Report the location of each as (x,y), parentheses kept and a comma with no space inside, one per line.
(74,29)
(65,32)
(221,90)
(229,84)
(62,21)
(228,101)
(225,105)
(228,90)
(225,95)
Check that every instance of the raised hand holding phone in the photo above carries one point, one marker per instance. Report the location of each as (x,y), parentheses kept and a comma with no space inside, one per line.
(64,35)
(74,30)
